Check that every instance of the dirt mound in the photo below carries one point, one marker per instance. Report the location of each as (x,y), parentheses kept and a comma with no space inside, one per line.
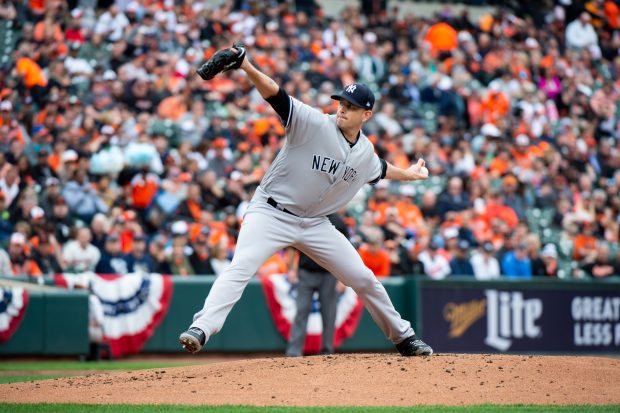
(345,380)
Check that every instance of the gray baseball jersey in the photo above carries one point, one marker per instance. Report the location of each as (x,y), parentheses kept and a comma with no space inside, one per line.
(317,172)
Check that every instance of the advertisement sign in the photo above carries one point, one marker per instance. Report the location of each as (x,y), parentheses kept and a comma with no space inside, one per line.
(520,320)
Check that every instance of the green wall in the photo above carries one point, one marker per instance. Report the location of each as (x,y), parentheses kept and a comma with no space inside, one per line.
(248,327)
(55,323)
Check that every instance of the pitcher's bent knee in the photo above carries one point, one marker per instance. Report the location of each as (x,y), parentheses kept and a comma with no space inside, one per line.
(364,284)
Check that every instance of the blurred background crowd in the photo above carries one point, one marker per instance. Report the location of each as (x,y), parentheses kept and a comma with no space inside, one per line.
(115,157)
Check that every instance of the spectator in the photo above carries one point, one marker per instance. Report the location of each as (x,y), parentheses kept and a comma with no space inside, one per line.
(112,24)
(112,259)
(82,198)
(30,74)
(516,263)
(409,261)
(549,257)
(48,30)
(178,260)
(23,204)
(395,251)
(451,241)
(429,207)
(219,157)
(485,265)
(138,259)
(219,255)
(580,34)
(374,255)
(6,269)
(453,199)
(144,187)
(51,191)
(393,225)
(602,265)
(79,255)
(21,262)
(7,10)
(75,65)
(533,245)
(212,194)
(460,263)
(365,229)
(200,258)
(512,198)
(157,251)
(584,243)
(436,266)
(106,190)
(190,209)
(42,172)
(45,253)
(99,227)
(60,220)
(9,185)
(6,226)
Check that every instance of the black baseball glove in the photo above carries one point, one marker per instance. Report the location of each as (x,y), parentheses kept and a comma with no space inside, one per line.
(223,61)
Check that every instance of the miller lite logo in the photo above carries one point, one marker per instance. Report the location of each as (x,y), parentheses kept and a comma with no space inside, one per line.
(351,88)
(510,316)
(462,316)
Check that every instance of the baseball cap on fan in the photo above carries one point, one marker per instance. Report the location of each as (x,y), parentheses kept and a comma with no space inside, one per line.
(357,94)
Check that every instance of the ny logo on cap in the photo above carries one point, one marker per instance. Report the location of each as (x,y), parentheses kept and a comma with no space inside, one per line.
(351,88)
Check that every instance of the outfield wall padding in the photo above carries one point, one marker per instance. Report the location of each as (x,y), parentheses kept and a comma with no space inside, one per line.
(55,324)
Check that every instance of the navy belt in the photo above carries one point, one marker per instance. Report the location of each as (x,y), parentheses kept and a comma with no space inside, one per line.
(279,207)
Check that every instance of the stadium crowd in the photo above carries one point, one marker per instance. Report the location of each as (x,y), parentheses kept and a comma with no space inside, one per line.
(115,157)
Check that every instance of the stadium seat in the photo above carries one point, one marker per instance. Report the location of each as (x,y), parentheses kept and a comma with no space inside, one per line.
(533,217)
(564,269)
(165,127)
(9,36)
(565,249)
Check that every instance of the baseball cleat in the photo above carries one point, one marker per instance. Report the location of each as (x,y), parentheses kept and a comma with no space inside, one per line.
(413,346)
(193,339)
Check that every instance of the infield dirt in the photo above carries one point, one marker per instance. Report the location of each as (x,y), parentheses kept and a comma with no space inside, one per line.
(345,380)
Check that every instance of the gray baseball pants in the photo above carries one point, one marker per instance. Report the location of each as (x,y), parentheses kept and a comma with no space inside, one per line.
(266,230)
(325,284)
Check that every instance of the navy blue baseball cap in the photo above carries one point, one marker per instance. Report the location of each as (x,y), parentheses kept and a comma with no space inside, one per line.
(357,94)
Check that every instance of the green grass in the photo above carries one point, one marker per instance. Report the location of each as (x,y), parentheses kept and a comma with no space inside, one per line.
(84,365)
(64,368)
(123,408)
(19,378)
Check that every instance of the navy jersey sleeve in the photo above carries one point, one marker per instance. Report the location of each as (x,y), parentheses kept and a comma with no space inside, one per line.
(381,175)
(281,103)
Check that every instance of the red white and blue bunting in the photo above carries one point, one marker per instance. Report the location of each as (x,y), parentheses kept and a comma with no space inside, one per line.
(13,304)
(281,302)
(133,305)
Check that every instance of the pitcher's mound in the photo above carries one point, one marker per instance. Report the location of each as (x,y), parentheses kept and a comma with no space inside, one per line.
(345,380)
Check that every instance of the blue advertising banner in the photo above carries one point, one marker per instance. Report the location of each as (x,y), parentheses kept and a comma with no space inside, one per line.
(517,319)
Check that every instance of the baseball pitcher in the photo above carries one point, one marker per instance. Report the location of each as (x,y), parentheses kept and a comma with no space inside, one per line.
(325,161)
